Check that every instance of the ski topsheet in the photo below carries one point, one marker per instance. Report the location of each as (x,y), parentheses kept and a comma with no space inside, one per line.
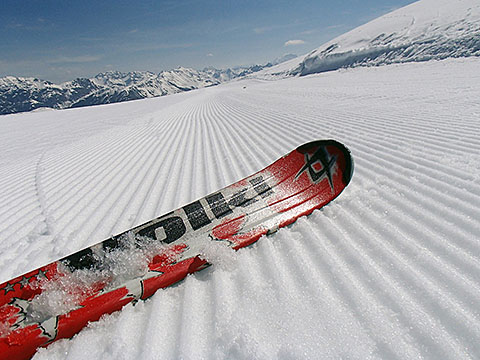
(57,300)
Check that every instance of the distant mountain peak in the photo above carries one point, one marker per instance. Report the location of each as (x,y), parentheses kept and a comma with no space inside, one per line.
(18,94)
(283,58)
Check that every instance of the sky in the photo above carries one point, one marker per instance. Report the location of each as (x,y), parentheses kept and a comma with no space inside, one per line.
(60,40)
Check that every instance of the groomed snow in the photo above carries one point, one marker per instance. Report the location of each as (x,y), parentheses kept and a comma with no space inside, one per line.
(390,269)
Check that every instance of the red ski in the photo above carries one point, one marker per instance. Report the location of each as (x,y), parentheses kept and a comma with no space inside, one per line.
(89,283)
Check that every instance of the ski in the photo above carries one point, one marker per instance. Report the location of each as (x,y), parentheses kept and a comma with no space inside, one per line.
(102,279)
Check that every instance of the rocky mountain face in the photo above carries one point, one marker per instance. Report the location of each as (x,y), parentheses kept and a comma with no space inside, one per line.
(18,94)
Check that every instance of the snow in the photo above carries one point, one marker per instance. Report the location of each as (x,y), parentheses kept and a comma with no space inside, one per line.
(390,269)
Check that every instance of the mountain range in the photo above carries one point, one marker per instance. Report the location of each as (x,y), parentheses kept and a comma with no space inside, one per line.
(19,94)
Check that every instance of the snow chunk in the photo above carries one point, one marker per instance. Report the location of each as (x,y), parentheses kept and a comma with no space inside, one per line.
(70,289)
(219,254)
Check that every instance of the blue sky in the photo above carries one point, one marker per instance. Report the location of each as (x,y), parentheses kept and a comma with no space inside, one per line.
(62,40)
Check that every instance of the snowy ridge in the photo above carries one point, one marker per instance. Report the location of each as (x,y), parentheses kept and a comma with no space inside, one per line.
(25,94)
(390,269)
(425,30)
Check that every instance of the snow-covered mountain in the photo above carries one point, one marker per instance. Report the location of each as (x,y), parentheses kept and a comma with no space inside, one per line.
(424,30)
(19,94)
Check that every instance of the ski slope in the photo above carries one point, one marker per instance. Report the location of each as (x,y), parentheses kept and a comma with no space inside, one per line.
(390,269)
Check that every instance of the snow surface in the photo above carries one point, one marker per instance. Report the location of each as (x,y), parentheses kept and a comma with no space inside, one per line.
(390,269)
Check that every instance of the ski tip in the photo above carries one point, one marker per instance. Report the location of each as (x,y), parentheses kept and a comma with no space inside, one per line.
(349,165)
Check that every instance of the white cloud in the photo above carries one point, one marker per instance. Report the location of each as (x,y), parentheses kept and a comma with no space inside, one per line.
(294,42)
(209,54)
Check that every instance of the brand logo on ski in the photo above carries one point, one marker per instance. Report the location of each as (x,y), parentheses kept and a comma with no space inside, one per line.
(326,161)
(173,226)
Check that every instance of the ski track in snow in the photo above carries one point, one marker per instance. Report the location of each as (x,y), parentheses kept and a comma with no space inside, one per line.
(390,269)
